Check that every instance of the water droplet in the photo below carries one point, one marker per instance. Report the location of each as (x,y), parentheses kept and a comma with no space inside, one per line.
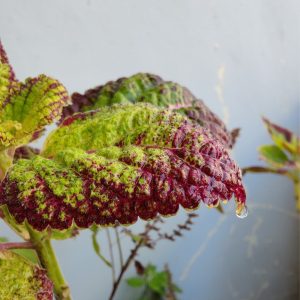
(241,211)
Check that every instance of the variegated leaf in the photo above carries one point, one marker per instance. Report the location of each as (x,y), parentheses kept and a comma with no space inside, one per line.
(26,108)
(21,279)
(148,88)
(117,164)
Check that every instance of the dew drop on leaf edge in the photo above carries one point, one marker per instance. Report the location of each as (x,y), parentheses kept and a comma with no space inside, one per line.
(241,211)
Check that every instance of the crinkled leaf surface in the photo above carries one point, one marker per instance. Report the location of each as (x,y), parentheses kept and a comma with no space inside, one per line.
(20,279)
(26,108)
(144,87)
(117,164)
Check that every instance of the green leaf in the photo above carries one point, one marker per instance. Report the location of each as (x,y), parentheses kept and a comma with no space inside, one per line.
(176,288)
(117,164)
(149,88)
(273,155)
(283,137)
(26,108)
(150,270)
(136,281)
(63,234)
(3,239)
(30,254)
(159,282)
(21,279)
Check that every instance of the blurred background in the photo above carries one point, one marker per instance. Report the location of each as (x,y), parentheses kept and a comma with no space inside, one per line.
(240,57)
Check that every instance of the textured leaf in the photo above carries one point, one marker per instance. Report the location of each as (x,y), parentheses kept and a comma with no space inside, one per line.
(144,87)
(283,138)
(26,108)
(273,155)
(20,279)
(8,81)
(118,164)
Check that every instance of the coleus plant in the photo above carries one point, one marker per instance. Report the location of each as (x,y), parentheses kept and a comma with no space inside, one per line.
(282,157)
(133,148)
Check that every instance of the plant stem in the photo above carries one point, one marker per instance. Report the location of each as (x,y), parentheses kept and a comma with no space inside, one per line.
(131,257)
(21,245)
(125,267)
(119,246)
(46,254)
(297,192)
(111,253)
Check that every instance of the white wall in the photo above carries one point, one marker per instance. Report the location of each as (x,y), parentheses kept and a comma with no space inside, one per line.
(242,58)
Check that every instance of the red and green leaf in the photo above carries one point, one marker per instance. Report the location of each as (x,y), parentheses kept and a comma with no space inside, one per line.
(117,164)
(26,108)
(21,279)
(148,88)
(283,137)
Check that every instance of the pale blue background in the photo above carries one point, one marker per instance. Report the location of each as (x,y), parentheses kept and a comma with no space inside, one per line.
(242,58)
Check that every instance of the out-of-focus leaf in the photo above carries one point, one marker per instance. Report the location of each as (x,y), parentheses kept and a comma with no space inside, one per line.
(283,137)
(3,239)
(176,288)
(136,281)
(220,208)
(159,282)
(273,155)
(140,269)
(20,279)
(150,270)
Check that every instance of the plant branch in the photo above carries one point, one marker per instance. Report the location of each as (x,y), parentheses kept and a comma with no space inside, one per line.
(21,245)
(130,258)
(124,268)
(119,246)
(46,254)
(111,252)
(297,193)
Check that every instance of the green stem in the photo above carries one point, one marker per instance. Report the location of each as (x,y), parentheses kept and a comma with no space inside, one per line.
(297,193)
(46,254)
